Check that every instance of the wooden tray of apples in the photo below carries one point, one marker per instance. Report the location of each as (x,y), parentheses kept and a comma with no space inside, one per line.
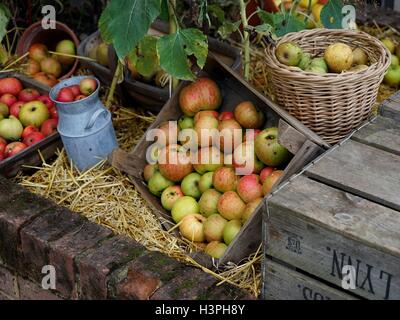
(28,124)
(214,208)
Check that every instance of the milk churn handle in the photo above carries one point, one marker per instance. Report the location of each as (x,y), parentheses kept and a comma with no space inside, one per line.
(94,117)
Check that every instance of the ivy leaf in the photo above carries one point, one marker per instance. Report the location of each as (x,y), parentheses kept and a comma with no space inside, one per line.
(228,28)
(175,49)
(145,58)
(331,14)
(5,16)
(124,23)
(289,24)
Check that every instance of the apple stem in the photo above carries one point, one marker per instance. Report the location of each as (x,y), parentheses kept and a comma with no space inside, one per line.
(117,75)
(246,40)
(72,56)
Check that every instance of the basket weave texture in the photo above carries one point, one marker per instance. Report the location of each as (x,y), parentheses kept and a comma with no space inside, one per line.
(332,105)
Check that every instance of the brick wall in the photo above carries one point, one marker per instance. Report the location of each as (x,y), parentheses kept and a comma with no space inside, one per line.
(90,261)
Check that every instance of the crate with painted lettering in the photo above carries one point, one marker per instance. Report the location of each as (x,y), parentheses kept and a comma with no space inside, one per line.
(334,229)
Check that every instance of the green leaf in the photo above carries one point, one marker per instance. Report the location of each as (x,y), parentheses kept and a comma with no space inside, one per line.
(272,19)
(228,28)
(124,23)
(164,15)
(289,24)
(331,14)
(217,11)
(5,16)
(175,49)
(145,58)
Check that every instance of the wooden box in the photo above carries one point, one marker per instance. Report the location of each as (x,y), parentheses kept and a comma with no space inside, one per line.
(304,144)
(338,222)
(30,156)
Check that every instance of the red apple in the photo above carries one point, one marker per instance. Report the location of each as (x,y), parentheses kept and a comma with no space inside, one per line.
(8,99)
(88,86)
(75,90)
(47,101)
(28,130)
(80,97)
(15,108)
(28,94)
(53,113)
(265,173)
(65,95)
(49,127)
(33,138)
(38,52)
(249,188)
(10,85)
(226,115)
(13,148)
(46,79)
(3,145)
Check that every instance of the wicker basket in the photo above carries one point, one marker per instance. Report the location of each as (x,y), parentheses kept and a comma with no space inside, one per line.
(332,105)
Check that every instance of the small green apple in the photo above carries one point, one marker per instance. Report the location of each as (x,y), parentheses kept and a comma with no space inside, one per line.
(206,181)
(208,202)
(305,61)
(231,230)
(392,76)
(289,53)
(190,185)
(170,196)
(216,249)
(183,207)
(157,184)
(394,61)
(185,122)
(389,44)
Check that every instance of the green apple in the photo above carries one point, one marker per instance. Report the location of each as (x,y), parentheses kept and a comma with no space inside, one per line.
(206,181)
(66,47)
(392,76)
(209,159)
(149,170)
(389,44)
(231,230)
(183,207)
(319,63)
(268,150)
(185,122)
(394,61)
(170,196)
(34,113)
(208,202)
(4,110)
(190,185)
(289,53)
(157,184)
(305,61)
(216,249)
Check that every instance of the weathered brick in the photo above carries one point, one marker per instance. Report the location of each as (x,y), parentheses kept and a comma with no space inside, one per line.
(143,276)
(190,284)
(66,249)
(30,290)
(35,237)
(16,211)
(7,282)
(98,263)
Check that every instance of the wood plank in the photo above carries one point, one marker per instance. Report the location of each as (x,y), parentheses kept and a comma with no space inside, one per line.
(382,133)
(283,283)
(319,229)
(362,170)
(390,108)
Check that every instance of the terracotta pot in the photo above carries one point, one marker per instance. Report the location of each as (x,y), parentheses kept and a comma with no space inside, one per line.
(49,37)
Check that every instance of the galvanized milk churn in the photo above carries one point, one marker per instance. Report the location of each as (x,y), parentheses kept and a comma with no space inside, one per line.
(85,127)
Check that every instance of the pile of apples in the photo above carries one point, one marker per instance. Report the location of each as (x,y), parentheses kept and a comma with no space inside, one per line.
(338,57)
(47,68)
(208,199)
(26,117)
(392,76)
(77,92)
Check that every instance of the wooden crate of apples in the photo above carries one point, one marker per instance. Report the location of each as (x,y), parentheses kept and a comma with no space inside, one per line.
(26,117)
(205,191)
